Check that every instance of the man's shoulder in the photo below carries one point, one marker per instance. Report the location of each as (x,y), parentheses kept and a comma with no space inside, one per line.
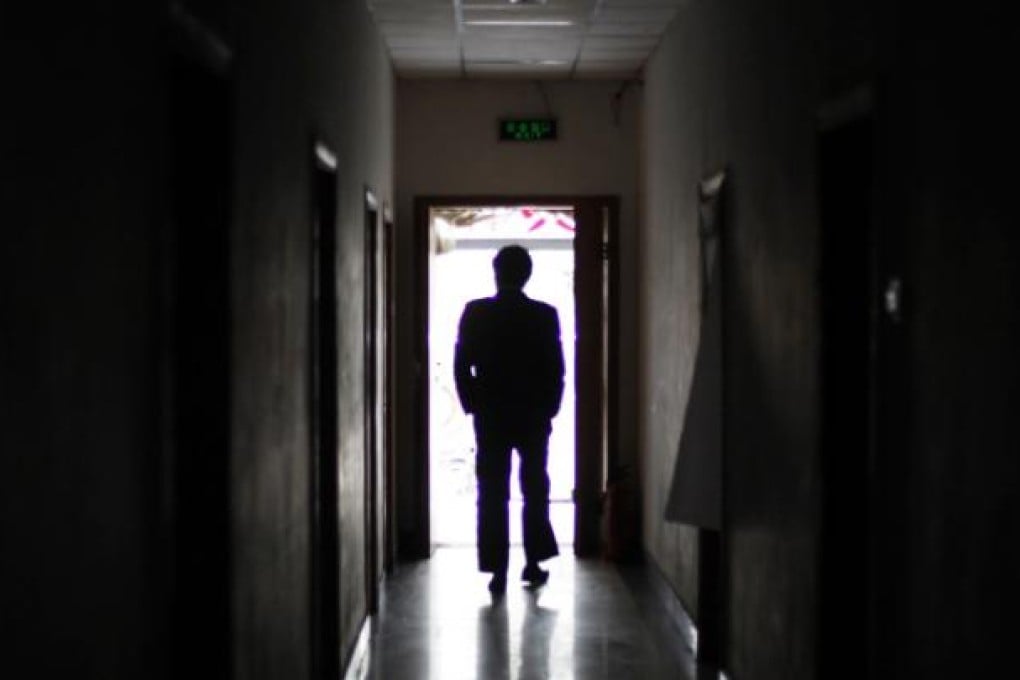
(543,308)
(478,304)
(477,308)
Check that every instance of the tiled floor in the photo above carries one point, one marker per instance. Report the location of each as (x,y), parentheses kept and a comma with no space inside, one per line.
(437,621)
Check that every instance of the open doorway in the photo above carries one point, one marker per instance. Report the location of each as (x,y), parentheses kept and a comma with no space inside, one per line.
(463,242)
(594,352)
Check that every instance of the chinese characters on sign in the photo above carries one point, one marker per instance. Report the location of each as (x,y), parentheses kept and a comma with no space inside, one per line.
(527,129)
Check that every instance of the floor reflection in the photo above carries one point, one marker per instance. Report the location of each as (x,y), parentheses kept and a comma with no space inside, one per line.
(538,638)
(438,621)
(493,657)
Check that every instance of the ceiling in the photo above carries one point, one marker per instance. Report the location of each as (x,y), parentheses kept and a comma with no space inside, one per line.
(521,38)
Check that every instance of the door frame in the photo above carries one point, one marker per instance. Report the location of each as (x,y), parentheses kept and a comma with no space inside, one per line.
(324,431)
(389,391)
(373,384)
(596,241)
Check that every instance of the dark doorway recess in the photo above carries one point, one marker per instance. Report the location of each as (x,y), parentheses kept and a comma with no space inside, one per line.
(388,499)
(596,271)
(846,199)
(197,395)
(374,387)
(324,402)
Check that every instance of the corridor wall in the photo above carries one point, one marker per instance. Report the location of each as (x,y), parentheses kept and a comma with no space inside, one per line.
(733,85)
(85,479)
(79,493)
(304,69)
(741,85)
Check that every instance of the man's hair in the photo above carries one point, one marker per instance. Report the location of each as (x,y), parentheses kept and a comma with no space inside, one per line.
(512,265)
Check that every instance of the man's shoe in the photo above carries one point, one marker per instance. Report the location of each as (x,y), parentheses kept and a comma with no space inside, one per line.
(534,575)
(497,586)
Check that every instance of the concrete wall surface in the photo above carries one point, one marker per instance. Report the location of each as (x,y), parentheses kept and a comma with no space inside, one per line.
(84,474)
(80,529)
(304,69)
(733,85)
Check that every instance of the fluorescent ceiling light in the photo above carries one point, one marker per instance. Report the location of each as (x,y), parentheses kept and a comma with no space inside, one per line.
(518,62)
(538,23)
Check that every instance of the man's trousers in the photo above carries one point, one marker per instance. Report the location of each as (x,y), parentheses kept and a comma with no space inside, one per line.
(496,440)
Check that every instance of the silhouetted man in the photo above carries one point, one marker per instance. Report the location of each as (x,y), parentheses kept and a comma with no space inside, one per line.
(508,367)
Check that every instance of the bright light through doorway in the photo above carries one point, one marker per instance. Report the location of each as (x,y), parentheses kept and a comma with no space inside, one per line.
(464,242)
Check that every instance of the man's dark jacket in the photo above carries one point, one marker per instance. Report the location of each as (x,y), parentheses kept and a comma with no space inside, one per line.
(508,363)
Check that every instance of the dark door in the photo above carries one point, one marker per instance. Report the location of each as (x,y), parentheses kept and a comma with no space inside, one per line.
(324,414)
(594,288)
(197,291)
(372,384)
(846,205)
(388,382)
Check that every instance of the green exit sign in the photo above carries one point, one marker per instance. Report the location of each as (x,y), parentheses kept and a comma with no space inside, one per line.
(527,129)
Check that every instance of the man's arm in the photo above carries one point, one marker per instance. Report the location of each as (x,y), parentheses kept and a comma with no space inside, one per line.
(555,364)
(463,360)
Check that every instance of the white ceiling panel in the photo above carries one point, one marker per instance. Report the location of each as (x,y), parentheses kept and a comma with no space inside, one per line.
(424,71)
(627,4)
(400,43)
(609,28)
(517,71)
(529,38)
(482,48)
(393,32)
(429,63)
(416,15)
(614,55)
(636,15)
(610,69)
(579,7)
(641,42)
(407,5)
(523,13)
(446,56)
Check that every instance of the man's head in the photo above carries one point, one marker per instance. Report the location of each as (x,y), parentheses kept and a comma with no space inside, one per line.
(512,266)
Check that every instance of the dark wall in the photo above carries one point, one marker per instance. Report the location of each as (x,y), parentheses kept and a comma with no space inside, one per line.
(81,549)
(86,477)
(303,69)
(735,85)
(741,85)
